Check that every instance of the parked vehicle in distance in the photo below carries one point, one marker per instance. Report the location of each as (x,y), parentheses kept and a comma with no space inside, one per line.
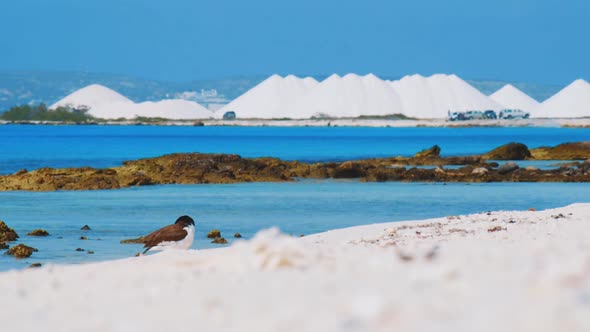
(231,115)
(513,114)
(454,116)
(489,114)
(474,115)
(471,115)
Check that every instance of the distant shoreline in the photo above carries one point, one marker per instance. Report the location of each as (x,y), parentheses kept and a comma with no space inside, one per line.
(345,122)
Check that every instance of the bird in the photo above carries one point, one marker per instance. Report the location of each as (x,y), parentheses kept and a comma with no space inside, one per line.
(179,235)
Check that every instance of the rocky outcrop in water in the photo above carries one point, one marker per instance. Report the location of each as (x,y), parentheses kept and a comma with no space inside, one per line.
(38,232)
(507,168)
(566,151)
(196,168)
(219,240)
(510,151)
(214,234)
(7,234)
(21,251)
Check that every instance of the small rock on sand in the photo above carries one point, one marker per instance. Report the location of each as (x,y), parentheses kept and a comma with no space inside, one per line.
(496,229)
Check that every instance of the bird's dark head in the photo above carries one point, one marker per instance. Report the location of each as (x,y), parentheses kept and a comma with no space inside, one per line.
(185,221)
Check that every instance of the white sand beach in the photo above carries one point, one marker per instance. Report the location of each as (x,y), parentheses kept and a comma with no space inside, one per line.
(495,271)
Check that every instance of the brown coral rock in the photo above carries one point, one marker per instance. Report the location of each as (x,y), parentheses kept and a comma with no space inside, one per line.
(219,240)
(214,234)
(21,251)
(38,232)
(510,151)
(566,151)
(7,234)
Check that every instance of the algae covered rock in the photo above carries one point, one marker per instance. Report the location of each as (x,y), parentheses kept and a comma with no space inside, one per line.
(510,151)
(480,171)
(349,170)
(507,168)
(214,234)
(219,240)
(3,245)
(432,152)
(7,234)
(38,232)
(565,151)
(21,251)
(439,170)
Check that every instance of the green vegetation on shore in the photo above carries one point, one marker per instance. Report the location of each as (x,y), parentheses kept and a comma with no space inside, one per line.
(42,113)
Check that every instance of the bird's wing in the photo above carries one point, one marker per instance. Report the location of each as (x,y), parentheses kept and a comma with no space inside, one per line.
(173,232)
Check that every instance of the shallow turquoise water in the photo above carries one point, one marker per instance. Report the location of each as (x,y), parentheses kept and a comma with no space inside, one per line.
(297,208)
(31,147)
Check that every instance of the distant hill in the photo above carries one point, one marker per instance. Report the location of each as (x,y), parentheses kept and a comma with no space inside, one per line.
(33,87)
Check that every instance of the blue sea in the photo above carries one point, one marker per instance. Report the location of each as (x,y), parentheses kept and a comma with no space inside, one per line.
(302,207)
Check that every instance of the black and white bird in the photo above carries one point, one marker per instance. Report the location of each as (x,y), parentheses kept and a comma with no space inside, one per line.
(179,235)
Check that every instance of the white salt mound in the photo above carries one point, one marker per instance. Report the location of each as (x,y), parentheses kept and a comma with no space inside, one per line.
(348,96)
(105,103)
(513,98)
(91,96)
(355,96)
(572,101)
(175,109)
(434,96)
(271,98)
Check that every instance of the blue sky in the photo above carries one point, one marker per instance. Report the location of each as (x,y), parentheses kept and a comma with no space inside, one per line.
(542,41)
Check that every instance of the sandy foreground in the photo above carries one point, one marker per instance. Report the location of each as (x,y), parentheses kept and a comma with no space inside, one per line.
(495,271)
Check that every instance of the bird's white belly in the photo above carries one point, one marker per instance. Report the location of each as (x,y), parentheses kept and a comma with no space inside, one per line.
(183,244)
